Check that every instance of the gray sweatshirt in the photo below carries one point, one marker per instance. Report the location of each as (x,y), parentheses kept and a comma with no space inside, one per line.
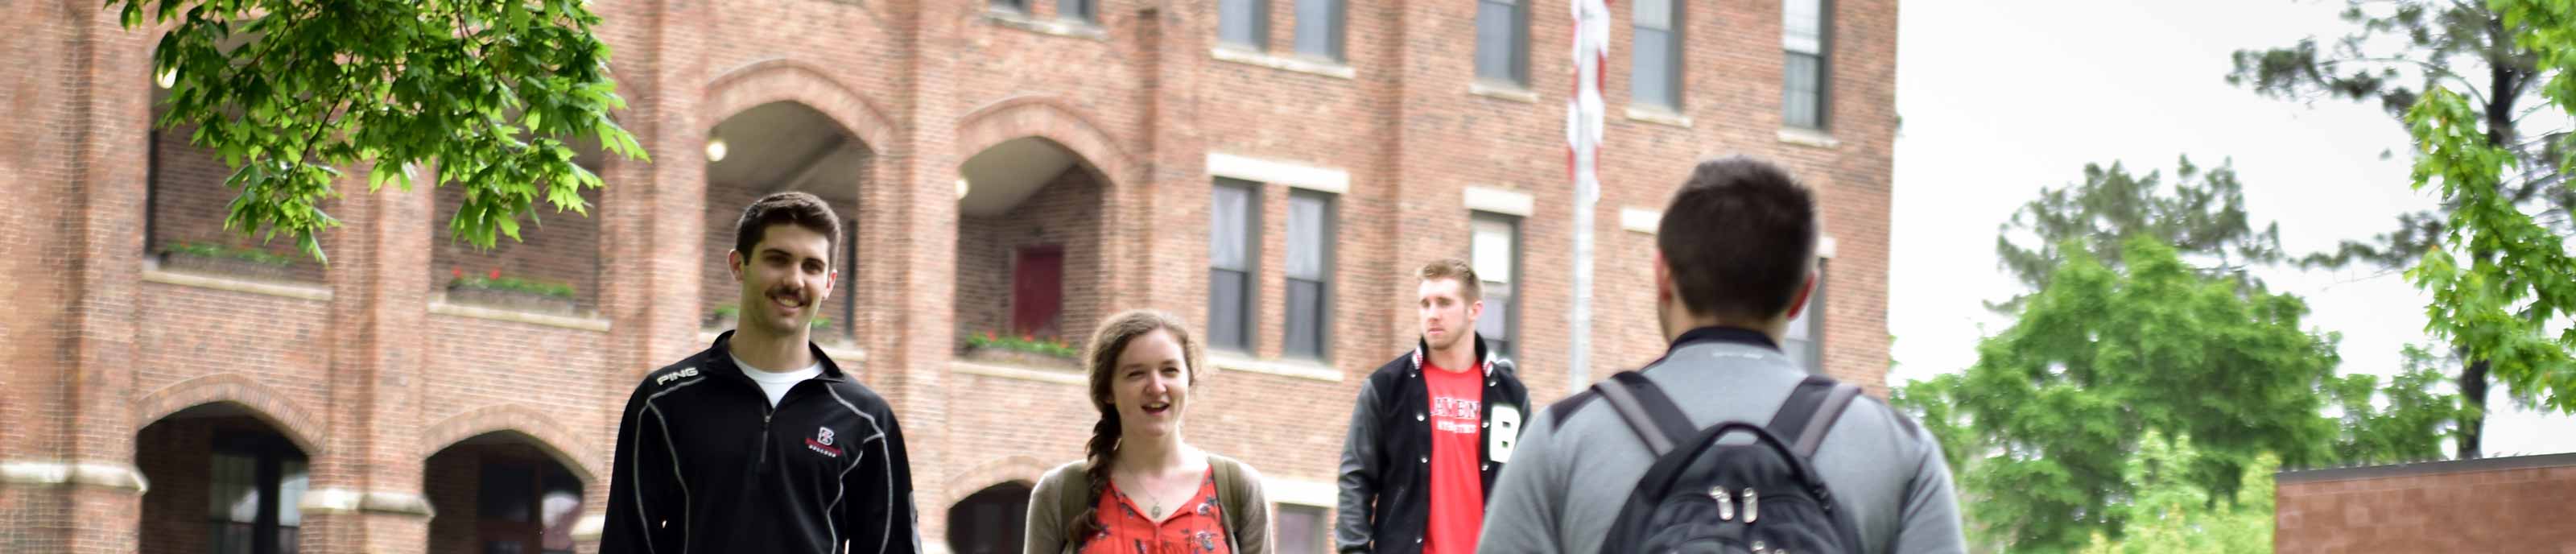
(1566,483)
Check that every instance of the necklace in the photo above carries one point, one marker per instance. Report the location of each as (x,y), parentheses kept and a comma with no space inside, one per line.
(1155,508)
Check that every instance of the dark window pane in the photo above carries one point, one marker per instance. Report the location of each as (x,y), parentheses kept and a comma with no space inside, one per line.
(230,538)
(235,491)
(1226,306)
(1305,319)
(506,493)
(1075,9)
(1319,28)
(1803,100)
(1014,5)
(1497,41)
(1651,69)
(1240,22)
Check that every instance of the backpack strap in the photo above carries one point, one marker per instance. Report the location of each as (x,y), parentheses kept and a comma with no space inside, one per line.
(1811,410)
(1229,494)
(1647,410)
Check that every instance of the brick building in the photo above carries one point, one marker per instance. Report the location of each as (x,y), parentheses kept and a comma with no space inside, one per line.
(1270,169)
(2515,504)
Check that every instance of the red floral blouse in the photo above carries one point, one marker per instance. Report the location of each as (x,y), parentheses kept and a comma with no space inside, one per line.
(1199,529)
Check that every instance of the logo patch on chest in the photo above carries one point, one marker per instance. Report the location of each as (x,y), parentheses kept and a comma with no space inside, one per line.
(821,443)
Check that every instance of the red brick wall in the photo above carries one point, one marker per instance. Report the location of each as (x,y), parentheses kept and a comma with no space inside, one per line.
(1061,213)
(553,248)
(924,85)
(189,202)
(2462,506)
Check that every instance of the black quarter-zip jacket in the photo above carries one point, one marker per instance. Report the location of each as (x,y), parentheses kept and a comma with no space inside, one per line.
(705,465)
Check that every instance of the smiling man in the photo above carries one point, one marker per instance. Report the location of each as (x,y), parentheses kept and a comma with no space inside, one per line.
(1431,430)
(759,443)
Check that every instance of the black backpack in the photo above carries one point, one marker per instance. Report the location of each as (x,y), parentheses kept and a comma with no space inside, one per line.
(1701,496)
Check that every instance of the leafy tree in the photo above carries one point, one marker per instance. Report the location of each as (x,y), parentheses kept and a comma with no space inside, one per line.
(2203,216)
(2466,77)
(2406,420)
(2101,356)
(494,94)
(2170,515)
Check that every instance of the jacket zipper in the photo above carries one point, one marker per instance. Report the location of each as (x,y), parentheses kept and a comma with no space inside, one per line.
(765,414)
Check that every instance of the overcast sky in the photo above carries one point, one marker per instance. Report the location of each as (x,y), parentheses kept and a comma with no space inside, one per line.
(2003,97)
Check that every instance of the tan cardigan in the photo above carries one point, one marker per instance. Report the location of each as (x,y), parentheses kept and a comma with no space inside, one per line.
(1060,495)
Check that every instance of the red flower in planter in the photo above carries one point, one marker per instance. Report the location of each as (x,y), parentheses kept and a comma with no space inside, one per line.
(457,272)
(496,274)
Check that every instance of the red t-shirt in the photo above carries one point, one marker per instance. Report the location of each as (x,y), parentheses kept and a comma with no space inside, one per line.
(1457,479)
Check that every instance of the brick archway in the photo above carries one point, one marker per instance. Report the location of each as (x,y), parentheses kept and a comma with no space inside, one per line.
(1050,118)
(781,79)
(541,431)
(1023,469)
(266,404)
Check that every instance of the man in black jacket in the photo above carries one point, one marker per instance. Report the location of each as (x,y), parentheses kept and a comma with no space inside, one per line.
(760,443)
(1431,430)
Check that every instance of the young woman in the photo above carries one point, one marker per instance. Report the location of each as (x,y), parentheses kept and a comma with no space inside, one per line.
(1140,487)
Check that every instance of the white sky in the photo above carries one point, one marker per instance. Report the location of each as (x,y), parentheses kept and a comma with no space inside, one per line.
(2003,97)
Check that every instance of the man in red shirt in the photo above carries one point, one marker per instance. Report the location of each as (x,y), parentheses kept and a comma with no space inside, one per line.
(1431,430)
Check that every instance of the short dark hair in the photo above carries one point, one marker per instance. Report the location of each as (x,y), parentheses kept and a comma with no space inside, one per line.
(792,208)
(1453,268)
(1738,238)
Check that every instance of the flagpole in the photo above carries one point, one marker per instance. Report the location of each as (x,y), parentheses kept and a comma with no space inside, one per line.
(1583,140)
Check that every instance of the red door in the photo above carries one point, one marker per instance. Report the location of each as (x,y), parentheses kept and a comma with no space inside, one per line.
(1037,290)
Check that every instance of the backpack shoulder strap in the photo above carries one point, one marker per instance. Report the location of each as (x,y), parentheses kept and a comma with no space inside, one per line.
(1647,410)
(1229,494)
(1811,410)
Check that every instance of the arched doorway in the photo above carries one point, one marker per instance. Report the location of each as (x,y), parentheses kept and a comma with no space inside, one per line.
(1029,252)
(778,147)
(501,493)
(991,521)
(224,481)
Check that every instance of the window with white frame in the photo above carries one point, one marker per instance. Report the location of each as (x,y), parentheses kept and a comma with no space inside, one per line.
(1244,23)
(1803,37)
(1502,41)
(1319,28)
(1655,66)
(1495,247)
(1309,271)
(1234,213)
(1302,529)
(1806,336)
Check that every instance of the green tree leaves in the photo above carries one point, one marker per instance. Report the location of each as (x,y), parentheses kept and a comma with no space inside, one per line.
(494,95)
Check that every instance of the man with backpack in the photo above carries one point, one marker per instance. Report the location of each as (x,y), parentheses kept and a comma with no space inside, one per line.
(1724,445)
